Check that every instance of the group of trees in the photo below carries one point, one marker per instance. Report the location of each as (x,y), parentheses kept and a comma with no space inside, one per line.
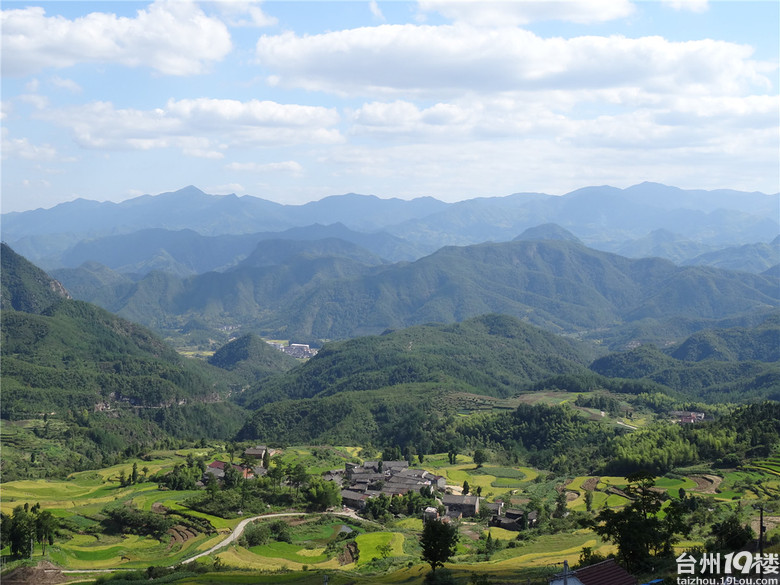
(283,485)
(25,526)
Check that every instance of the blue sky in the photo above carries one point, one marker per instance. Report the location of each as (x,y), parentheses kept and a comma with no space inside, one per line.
(295,101)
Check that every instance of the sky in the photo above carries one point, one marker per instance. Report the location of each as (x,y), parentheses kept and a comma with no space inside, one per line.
(295,101)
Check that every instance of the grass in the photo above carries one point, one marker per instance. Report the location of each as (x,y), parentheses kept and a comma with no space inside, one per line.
(290,552)
(368,545)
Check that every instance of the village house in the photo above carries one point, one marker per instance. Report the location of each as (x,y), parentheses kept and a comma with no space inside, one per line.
(217,469)
(514,519)
(467,506)
(374,478)
(257,452)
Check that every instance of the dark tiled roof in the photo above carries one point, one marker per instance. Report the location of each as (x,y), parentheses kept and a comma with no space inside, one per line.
(605,573)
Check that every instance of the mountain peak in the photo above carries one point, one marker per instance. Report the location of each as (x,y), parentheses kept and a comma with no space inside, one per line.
(548,231)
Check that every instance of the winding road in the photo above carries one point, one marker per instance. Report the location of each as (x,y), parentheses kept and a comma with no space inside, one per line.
(232,537)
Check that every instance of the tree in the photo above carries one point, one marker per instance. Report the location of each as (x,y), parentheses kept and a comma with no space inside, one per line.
(134,474)
(466,487)
(480,457)
(298,476)
(638,531)
(560,504)
(45,525)
(438,542)
(276,474)
(589,500)
(266,459)
(212,487)
(322,494)
(21,532)
(452,455)
(385,549)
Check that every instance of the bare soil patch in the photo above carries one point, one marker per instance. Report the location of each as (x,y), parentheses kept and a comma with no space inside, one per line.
(771,522)
(706,484)
(44,573)
(590,483)
(349,554)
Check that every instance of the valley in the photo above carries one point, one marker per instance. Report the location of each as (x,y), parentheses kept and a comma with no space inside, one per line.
(535,373)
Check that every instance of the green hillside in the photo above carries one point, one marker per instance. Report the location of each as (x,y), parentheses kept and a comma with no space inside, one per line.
(493,355)
(105,384)
(561,286)
(731,365)
(24,287)
(251,358)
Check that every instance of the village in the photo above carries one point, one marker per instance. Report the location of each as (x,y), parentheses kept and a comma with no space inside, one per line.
(373,479)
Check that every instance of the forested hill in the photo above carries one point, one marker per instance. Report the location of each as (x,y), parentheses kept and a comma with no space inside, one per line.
(24,286)
(491,354)
(562,286)
(113,383)
(252,359)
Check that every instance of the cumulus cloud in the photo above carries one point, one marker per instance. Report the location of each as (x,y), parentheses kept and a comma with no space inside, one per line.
(506,13)
(199,127)
(446,61)
(173,37)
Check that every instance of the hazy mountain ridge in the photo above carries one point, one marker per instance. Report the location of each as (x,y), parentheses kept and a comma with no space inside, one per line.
(560,285)
(605,217)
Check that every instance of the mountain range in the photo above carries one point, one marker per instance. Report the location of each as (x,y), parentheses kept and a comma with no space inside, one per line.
(328,289)
(104,386)
(644,220)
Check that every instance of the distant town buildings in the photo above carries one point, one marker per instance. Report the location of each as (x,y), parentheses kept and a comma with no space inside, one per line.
(296,350)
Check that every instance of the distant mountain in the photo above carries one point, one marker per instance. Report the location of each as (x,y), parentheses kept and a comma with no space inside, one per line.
(750,257)
(277,252)
(760,343)
(602,217)
(559,285)
(708,367)
(548,231)
(662,243)
(185,252)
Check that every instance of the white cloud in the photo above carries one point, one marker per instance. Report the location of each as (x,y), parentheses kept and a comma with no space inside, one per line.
(446,61)
(692,5)
(245,13)
(515,13)
(198,127)
(23,148)
(376,11)
(66,84)
(288,166)
(173,37)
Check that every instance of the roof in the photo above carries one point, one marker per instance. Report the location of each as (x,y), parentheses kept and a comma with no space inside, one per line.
(605,573)
(456,499)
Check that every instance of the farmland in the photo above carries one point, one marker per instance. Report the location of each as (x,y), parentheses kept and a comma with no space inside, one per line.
(344,545)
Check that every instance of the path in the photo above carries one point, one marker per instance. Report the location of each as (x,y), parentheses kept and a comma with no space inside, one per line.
(232,537)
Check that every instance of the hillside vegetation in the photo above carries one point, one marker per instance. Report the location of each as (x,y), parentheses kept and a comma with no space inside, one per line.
(559,285)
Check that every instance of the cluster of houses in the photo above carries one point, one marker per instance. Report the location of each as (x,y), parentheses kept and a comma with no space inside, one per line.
(372,478)
(395,478)
(296,350)
(686,417)
(247,471)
